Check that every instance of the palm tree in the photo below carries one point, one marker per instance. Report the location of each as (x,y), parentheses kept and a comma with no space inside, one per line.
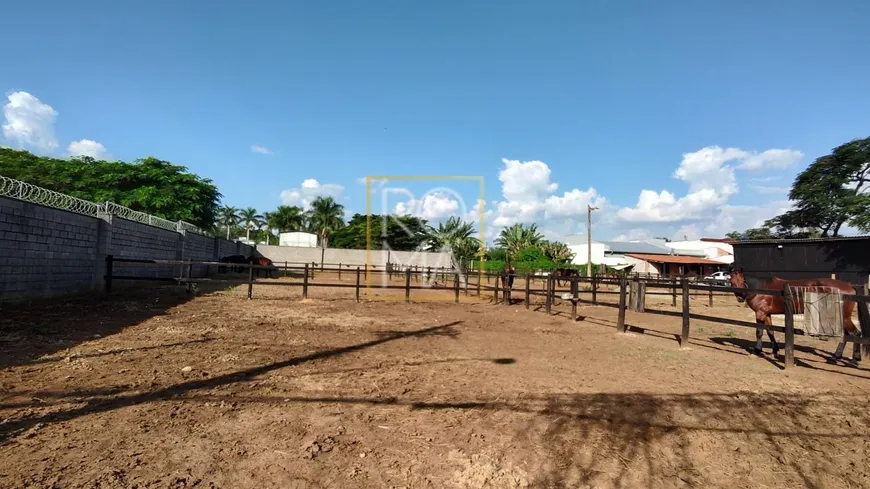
(556,251)
(454,237)
(286,218)
(448,233)
(324,216)
(519,237)
(229,218)
(251,220)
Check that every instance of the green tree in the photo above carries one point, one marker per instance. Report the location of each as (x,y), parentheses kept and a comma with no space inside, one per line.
(229,218)
(148,185)
(830,193)
(399,233)
(325,216)
(519,237)
(251,220)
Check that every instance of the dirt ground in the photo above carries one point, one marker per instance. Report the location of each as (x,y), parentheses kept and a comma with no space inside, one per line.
(157,388)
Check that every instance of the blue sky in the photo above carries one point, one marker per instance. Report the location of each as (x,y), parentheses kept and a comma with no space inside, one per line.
(555,104)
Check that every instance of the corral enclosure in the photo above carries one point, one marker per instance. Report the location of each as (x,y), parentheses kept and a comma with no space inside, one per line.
(157,388)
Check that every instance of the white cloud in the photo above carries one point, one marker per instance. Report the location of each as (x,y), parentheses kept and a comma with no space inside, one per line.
(765,179)
(769,189)
(710,175)
(256,148)
(572,203)
(665,207)
(29,122)
(771,159)
(434,206)
(528,194)
(308,190)
(87,147)
(633,235)
(525,181)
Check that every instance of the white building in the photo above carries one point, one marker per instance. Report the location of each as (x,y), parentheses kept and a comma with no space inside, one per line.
(579,246)
(300,239)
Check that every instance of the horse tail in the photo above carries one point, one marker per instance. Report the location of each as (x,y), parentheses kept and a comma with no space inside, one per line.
(864,321)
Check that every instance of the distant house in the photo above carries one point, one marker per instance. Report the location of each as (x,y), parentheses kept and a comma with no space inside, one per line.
(655,257)
(714,249)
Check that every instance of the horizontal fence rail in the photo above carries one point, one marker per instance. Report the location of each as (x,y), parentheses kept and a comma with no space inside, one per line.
(549,286)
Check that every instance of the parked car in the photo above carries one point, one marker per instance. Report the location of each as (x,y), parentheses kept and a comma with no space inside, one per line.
(719,277)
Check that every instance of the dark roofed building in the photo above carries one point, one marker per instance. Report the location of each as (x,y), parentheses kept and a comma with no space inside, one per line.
(845,258)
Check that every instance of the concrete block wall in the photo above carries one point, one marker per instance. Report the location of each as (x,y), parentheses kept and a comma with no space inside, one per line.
(199,248)
(334,256)
(130,239)
(48,252)
(44,251)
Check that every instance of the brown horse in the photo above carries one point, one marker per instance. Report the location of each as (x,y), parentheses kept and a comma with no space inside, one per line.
(565,273)
(263,262)
(507,275)
(765,305)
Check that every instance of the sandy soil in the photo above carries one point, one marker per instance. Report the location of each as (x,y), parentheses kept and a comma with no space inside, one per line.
(156,388)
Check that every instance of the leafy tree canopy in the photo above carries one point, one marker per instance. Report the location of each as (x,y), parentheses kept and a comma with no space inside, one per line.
(148,185)
(403,233)
(832,192)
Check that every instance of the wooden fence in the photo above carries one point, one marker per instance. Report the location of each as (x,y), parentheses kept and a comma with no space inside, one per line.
(684,288)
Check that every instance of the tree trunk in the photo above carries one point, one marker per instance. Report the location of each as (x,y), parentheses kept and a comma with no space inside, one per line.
(228,232)
(837,229)
(248,234)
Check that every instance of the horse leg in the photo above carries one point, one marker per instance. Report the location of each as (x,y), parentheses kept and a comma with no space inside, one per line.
(762,319)
(849,326)
(838,353)
(758,332)
(772,339)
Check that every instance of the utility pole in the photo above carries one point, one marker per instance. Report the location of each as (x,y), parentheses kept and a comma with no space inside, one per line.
(589,239)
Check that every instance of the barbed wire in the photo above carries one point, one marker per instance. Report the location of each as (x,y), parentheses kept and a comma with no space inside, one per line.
(131,215)
(9,187)
(16,189)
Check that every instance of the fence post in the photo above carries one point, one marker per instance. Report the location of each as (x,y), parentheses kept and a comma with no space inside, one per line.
(408,284)
(357,284)
(549,301)
(286,268)
(110,265)
(189,272)
(495,292)
(305,283)
(456,287)
(684,337)
(574,287)
(465,285)
(710,303)
(528,286)
(674,291)
(507,289)
(594,290)
(339,271)
(250,280)
(479,280)
(620,320)
(788,299)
